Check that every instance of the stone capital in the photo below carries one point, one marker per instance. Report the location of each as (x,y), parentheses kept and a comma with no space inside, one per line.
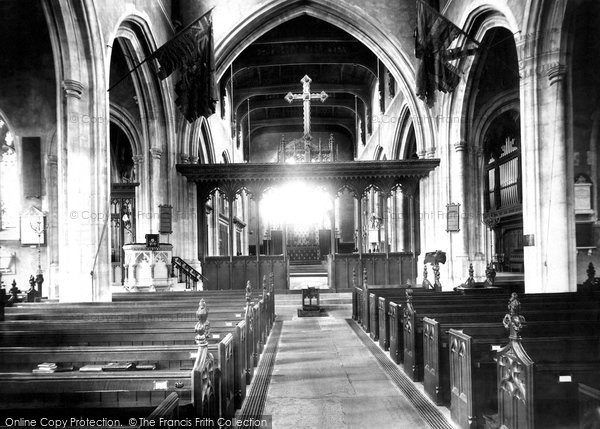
(156,153)
(72,88)
(556,73)
(460,146)
(52,159)
(431,152)
(137,159)
(185,158)
(194,159)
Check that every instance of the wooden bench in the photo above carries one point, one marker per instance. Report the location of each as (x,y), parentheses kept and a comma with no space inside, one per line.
(56,333)
(537,382)
(222,363)
(232,371)
(367,302)
(436,377)
(473,379)
(177,370)
(589,404)
(375,310)
(564,307)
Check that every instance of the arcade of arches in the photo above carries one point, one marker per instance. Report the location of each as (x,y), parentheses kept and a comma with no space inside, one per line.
(514,147)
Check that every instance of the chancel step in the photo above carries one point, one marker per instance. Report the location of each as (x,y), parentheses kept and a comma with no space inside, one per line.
(312,270)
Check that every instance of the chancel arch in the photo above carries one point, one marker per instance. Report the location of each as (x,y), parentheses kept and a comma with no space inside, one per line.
(230,46)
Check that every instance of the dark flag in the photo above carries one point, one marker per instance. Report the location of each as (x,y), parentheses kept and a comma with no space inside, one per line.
(433,36)
(192,53)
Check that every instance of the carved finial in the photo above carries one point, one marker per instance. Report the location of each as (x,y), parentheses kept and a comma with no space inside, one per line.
(426,284)
(470,282)
(365,277)
(513,320)
(409,296)
(490,274)
(436,276)
(353,277)
(271,282)
(14,291)
(248,292)
(202,327)
(591,272)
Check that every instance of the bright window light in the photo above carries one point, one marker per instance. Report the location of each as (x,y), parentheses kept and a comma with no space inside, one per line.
(296,204)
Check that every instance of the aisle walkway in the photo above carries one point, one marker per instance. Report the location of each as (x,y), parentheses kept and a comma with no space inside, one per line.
(325,377)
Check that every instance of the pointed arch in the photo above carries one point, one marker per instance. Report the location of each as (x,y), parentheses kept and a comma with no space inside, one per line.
(361,26)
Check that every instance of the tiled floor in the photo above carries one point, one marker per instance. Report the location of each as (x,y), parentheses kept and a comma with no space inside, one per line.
(324,377)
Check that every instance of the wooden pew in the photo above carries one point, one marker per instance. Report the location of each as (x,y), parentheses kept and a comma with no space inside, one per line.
(210,392)
(168,409)
(537,384)
(589,404)
(231,382)
(175,295)
(436,377)
(565,306)
(386,323)
(23,333)
(374,309)
(473,369)
(254,315)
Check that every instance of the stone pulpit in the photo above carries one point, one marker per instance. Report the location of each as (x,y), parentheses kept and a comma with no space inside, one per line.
(147,269)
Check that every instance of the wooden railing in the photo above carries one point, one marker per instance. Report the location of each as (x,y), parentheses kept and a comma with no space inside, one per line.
(185,273)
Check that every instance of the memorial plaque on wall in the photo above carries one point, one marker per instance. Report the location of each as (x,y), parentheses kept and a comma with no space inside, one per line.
(583,196)
(165,219)
(453,217)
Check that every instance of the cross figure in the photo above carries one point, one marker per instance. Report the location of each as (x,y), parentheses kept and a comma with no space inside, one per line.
(306,96)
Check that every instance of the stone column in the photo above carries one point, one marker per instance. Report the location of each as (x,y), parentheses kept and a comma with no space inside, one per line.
(386,226)
(557,206)
(359,225)
(52,226)
(231,200)
(548,217)
(83,199)
(202,226)
(333,226)
(458,240)
(400,220)
(142,219)
(156,190)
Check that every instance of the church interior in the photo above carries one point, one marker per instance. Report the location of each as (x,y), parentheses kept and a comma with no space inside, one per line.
(300,213)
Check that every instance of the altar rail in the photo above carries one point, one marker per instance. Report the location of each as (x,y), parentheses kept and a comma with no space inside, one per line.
(221,273)
(397,268)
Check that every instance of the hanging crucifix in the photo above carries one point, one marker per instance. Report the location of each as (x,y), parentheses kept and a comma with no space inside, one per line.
(306,96)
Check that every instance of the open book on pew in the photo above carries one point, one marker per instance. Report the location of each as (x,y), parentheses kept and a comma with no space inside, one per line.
(51,367)
(118,366)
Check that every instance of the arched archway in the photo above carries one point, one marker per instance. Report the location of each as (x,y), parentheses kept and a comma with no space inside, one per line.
(361,27)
